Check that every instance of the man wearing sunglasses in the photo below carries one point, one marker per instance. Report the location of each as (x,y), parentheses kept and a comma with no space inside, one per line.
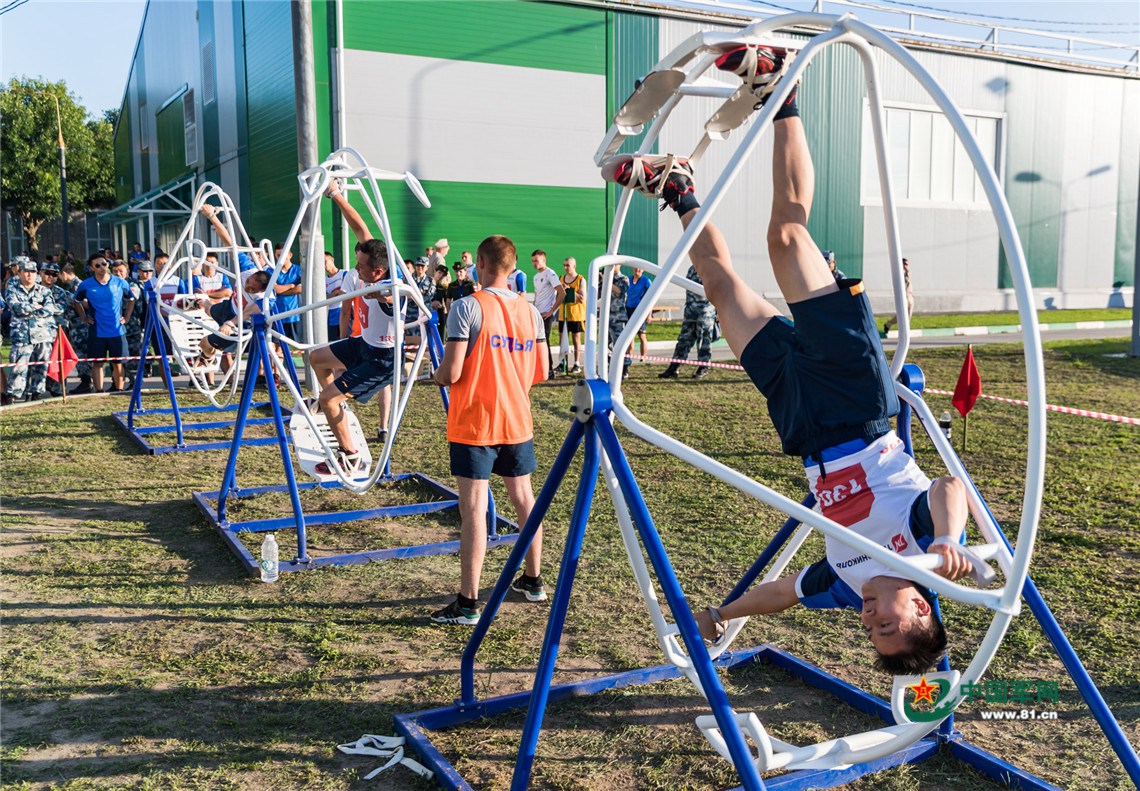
(100,302)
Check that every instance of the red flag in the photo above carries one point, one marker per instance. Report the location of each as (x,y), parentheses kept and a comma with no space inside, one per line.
(62,356)
(969,385)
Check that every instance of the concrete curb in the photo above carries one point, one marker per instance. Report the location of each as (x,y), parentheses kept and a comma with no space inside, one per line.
(1004,329)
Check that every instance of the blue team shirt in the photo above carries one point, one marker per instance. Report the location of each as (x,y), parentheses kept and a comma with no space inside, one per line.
(107,304)
(636,292)
(289,277)
(246,262)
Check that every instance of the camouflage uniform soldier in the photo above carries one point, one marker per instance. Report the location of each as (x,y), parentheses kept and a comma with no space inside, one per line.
(618,314)
(33,331)
(49,278)
(696,327)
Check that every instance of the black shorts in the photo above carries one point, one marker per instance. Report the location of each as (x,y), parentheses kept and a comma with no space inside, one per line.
(370,368)
(221,313)
(826,378)
(571,326)
(479,461)
(115,346)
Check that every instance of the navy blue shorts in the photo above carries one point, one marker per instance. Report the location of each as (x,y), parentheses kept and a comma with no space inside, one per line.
(370,368)
(107,347)
(479,461)
(825,377)
(221,313)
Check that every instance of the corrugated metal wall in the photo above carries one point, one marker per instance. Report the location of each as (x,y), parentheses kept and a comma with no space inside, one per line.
(274,194)
(633,52)
(1128,193)
(496,107)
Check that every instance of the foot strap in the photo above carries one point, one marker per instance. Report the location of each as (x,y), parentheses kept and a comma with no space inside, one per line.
(390,747)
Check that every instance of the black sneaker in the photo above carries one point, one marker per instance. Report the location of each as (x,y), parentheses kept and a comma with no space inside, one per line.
(670,372)
(702,372)
(759,67)
(453,613)
(5,399)
(664,176)
(381,436)
(534,591)
(83,389)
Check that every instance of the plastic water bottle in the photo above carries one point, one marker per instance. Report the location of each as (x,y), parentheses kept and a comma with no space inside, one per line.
(269,559)
(945,422)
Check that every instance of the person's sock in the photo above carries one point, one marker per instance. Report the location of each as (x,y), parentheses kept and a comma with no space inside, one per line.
(529,580)
(467,604)
(791,108)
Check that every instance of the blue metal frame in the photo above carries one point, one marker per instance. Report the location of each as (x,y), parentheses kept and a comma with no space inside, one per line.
(141,435)
(213,505)
(593,428)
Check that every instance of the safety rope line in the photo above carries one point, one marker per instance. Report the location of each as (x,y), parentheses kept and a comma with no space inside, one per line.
(1066,410)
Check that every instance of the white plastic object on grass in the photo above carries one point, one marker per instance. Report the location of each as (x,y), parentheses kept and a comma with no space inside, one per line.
(390,747)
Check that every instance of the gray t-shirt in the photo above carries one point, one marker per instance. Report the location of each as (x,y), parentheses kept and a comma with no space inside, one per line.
(466,318)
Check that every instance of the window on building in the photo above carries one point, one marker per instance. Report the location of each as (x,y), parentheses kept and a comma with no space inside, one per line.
(209,74)
(929,166)
(144,127)
(190,128)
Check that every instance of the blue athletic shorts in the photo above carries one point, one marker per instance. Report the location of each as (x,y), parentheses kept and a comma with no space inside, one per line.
(370,368)
(479,461)
(825,377)
(107,347)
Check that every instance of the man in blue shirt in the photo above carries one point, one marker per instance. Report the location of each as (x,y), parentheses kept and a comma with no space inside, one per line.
(638,285)
(288,290)
(99,301)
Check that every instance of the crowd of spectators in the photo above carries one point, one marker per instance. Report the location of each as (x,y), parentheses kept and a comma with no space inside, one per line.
(100,305)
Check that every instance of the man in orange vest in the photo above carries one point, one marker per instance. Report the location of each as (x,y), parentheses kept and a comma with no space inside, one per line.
(491,360)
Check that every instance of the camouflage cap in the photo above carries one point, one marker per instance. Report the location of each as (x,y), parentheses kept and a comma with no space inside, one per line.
(145,266)
(50,266)
(25,264)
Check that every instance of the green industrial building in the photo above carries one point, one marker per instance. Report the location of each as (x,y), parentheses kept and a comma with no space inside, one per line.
(498,106)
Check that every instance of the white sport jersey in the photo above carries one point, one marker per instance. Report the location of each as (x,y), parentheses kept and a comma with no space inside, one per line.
(377,319)
(545,290)
(870,492)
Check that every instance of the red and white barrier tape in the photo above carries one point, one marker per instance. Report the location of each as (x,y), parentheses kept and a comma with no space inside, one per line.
(134,357)
(725,366)
(1067,410)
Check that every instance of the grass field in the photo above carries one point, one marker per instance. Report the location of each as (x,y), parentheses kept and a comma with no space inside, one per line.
(137,655)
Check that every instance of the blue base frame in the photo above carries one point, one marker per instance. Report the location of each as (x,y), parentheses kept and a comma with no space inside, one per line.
(230,531)
(152,335)
(592,428)
(416,726)
(139,435)
(214,504)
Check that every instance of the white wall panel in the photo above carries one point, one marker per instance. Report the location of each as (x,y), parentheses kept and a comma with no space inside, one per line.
(450,120)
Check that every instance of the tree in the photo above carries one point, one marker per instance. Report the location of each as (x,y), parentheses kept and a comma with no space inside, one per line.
(29,154)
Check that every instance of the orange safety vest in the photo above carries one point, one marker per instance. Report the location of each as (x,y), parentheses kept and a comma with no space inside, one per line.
(490,404)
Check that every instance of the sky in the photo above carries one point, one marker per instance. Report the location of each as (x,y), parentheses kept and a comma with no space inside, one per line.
(53,38)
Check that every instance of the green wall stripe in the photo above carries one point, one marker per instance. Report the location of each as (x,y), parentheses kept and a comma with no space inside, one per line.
(633,46)
(1128,190)
(563,221)
(537,35)
(274,194)
(324,42)
(831,100)
(124,157)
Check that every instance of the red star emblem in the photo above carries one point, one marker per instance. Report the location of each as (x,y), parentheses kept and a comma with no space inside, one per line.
(924,691)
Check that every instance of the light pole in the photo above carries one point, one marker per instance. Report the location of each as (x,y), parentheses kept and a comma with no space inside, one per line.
(62,165)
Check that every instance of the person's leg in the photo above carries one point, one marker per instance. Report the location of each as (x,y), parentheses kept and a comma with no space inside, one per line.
(797,262)
(98,350)
(742,311)
(117,375)
(546,325)
(332,402)
(37,381)
(473,535)
(522,497)
(642,342)
(385,406)
(326,365)
(577,349)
